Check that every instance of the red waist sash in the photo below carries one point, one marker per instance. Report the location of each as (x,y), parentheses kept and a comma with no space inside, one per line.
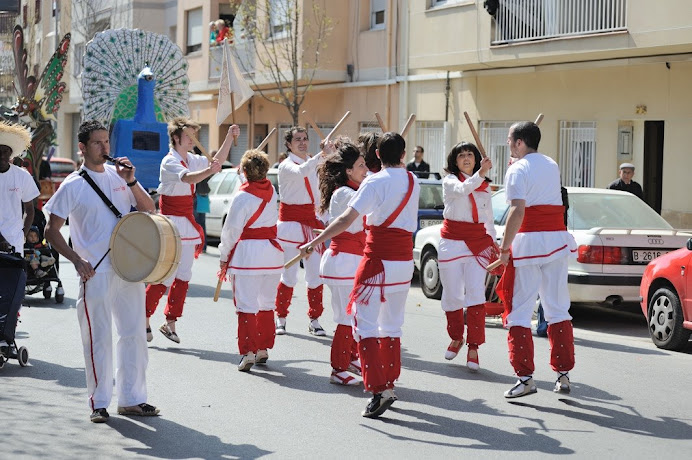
(261,233)
(182,206)
(304,214)
(350,243)
(541,218)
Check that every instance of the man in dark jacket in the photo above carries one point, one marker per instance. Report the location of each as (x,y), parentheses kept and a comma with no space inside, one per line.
(625,182)
(417,164)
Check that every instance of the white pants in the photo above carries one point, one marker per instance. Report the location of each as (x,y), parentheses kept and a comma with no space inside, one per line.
(253,293)
(340,296)
(380,319)
(184,271)
(289,277)
(107,298)
(547,280)
(463,282)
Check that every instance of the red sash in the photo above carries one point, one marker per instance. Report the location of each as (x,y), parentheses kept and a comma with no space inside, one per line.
(541,218)
(304,214)
(350,243)
(181,206)
(382,243)
(476,238)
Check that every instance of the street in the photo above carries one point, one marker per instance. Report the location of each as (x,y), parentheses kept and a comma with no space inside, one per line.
(629,399)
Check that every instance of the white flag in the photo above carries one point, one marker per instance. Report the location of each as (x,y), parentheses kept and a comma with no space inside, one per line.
(232,81)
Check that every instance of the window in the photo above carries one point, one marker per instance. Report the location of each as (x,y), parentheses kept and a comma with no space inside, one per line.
(432,136)
(37,12)
(78,51)
(577,153)
(369,127)
(279,18)
(377,9)
(194,30)
(493,135)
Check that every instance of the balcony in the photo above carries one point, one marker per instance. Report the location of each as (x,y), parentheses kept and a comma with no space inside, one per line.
(519,21)
(243,53)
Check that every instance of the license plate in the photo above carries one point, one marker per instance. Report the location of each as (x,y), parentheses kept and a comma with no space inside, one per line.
(644,256)
(428,222)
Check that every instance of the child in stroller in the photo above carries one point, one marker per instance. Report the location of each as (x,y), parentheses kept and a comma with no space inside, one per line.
(42,263)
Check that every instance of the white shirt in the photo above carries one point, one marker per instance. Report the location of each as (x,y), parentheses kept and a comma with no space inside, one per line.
(16,187)
(171,178)
(455,195)
(378,197)
(251,257)
(340,269)
(536,179)
(91,221)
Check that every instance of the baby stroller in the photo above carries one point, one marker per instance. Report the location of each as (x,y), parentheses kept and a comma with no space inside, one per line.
(12,278)
(42,266)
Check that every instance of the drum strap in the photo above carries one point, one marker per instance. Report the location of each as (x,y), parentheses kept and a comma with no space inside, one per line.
(100,193)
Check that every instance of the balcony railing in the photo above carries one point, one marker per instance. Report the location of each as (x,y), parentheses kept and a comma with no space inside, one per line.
(527,20)
(243,53)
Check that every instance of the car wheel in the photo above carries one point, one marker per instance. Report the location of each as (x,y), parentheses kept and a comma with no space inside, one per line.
(665,320)
(430,276)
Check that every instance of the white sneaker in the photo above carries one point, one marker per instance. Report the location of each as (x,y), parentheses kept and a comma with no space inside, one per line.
(280,326)
(316,329)
(150,336)
(261,357)
(246,362)
(343,378)
(562,383)
(354,367)
(524,387)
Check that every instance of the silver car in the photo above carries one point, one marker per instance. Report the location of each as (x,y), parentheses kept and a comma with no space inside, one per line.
(617,235)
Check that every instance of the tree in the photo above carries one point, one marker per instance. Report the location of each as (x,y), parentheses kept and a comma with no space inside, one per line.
(286,37)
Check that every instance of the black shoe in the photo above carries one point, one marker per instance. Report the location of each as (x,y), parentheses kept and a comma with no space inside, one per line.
(377,405)
(99,416)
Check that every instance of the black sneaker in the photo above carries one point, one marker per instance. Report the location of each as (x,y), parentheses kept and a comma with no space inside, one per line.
(377,405)
(99,416)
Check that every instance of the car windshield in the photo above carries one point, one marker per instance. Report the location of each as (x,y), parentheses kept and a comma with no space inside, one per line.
(499,207)
(589,210)
(430,196)
(214,182)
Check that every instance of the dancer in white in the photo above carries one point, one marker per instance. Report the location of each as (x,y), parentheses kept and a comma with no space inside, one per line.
(103,295)
(467,246)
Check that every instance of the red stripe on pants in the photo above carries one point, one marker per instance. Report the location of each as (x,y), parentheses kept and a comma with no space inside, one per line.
(390,354)
(520,344)
(561,337)
(315,302)
(283,300)
(247,331)
(342,346)
(91,347)
(374,378)
(154,292)
(265,330)
(475,322)
(455,324)
(176,299)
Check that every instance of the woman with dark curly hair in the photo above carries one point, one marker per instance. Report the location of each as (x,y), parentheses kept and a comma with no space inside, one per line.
(340,176)
(253,257)
(467,246)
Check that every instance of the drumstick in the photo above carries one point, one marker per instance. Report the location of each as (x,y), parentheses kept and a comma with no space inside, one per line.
(408,124)
(494,265)
(346,115)
(313,124)
(192,136)
(475,136)
(380,122)
(266,139)
(539,119)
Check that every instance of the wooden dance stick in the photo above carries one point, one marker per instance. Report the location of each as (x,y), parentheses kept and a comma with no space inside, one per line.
(408,124)
(312,123)
(295,260)
(494,265)
(235,138)
(218,285)
(338,125)
(191,135)
(380,122)
(475,135)
(539,119)
(266,139)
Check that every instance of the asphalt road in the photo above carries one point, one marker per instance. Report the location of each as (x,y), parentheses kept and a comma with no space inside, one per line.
(629,399)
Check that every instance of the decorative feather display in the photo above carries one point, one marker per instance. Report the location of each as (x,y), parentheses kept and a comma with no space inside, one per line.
(112,62)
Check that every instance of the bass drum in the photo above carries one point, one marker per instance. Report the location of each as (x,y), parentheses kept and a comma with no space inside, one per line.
(145,248)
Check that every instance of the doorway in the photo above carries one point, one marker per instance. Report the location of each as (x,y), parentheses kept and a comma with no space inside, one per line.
(653,163)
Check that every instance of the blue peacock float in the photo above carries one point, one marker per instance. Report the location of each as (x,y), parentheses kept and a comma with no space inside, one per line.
(133,82)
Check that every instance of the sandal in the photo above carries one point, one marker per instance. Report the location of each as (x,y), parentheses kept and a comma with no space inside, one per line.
(142,410)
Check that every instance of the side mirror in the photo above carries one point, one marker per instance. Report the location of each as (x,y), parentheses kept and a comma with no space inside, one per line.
(689,244)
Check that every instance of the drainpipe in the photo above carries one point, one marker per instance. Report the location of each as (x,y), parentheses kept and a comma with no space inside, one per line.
(403,107)
(388,60)
(447,91)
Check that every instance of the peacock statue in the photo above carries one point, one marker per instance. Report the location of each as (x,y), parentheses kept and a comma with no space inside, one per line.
(38,98)
(135,81)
